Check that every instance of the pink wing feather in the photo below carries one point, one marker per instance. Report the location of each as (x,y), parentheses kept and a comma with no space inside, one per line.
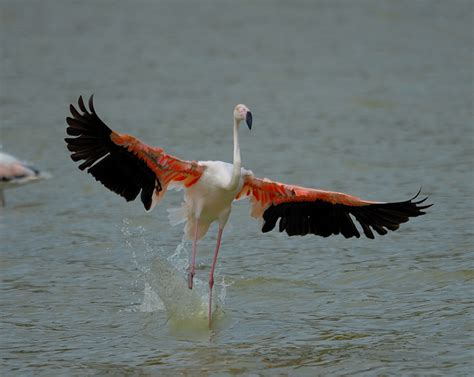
(302,210)
(123,163)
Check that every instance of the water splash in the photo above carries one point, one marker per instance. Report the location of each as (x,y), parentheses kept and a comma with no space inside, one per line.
(181,303)
(151,300)
(165,285)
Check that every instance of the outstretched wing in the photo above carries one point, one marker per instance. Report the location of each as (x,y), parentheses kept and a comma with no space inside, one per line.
(123,163)
(304,211)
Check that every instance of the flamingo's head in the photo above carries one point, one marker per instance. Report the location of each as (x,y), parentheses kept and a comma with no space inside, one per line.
(242,112)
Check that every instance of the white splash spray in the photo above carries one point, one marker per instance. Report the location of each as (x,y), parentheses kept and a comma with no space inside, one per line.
(165,286)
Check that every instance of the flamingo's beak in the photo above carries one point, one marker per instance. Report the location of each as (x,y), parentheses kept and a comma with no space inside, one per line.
(248,120)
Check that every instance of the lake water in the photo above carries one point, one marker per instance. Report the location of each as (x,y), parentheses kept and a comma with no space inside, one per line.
(372,98)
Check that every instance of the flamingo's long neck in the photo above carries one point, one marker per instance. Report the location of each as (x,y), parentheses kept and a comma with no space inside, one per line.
(236,172)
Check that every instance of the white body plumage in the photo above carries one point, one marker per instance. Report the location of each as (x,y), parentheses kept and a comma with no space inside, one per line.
(210,199)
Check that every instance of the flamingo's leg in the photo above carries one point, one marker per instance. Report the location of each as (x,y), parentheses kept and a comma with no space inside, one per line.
(192,267)
(211,274)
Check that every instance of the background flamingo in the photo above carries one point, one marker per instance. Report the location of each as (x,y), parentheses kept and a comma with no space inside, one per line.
(129,167)
(14,173)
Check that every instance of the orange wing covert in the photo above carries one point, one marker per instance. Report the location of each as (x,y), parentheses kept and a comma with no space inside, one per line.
(123,163)
(302,211)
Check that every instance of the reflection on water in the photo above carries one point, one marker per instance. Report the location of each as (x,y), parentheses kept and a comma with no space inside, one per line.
(370,98)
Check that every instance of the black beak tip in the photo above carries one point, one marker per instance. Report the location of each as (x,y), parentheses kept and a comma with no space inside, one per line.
(249,119)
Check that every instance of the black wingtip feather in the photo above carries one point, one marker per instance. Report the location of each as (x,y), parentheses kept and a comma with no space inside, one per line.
(74,112)
(322,218)
(91,103)
(82,106)
(115,167)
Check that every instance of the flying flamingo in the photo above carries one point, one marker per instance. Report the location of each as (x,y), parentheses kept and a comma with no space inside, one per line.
(14,173)
(129,167)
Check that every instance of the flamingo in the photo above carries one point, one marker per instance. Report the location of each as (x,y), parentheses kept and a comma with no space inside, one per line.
(128,167)
(14,173)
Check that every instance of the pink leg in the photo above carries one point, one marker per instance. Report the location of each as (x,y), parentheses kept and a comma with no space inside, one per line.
(192,267)
(211,274)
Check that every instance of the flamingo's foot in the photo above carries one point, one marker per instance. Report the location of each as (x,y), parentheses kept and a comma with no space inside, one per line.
(190,279)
